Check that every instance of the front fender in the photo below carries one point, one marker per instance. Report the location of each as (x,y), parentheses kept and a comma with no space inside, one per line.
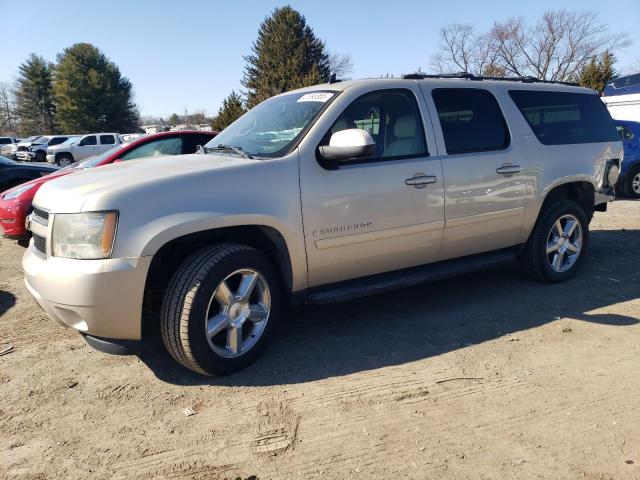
(148,239)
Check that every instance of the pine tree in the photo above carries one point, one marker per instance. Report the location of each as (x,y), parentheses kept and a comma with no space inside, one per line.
(286,55)
(598,72)
(232,108)
(91,95)
(34,105)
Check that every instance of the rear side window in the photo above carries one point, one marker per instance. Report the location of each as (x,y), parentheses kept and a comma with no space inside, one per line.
(4,141)
(471,120)
(559,118)
(107,140)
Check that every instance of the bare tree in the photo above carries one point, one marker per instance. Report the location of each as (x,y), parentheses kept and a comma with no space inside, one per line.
(341,64)
(7,110)
(198,117)
(556,47)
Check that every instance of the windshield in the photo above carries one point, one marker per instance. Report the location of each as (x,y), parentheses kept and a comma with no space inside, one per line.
(71,140)
(41,141)
(31,139)
(272,127)
(96,160)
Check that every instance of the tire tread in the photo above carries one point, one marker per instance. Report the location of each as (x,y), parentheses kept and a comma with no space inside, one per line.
(178,300)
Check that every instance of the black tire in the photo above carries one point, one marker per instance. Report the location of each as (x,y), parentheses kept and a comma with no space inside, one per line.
(628,184)
(40,156)
(64,159)
(186,303)
(535,259)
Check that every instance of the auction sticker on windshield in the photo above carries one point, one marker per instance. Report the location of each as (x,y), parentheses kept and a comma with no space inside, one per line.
(316,97)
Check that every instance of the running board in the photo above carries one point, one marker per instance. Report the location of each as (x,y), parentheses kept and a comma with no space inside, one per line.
(385,282)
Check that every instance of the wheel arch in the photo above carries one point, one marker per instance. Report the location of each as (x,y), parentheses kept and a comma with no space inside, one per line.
(63,154)
(580,191)
(173,252)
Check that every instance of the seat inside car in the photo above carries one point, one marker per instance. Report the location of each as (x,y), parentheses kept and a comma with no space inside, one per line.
(407,141)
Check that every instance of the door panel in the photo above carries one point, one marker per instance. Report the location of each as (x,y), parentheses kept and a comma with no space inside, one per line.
(484,210)
(378,215)
(363,219)
(484,179)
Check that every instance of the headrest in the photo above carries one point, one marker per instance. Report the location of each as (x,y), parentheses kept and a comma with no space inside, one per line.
(405,127)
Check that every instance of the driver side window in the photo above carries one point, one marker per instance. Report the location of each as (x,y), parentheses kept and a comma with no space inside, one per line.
(392,118)
(88,141)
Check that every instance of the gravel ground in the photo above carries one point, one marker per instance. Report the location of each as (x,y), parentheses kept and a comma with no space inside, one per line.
(490,375)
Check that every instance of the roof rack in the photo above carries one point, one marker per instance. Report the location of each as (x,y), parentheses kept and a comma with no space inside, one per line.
(471,76)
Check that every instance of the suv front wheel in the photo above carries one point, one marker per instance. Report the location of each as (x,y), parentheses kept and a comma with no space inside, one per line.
(558,243)
(220,309)
(64,160)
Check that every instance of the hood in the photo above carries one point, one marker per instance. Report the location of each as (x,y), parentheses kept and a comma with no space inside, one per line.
(109,185)
(35,183)
(60,146)
(31,167)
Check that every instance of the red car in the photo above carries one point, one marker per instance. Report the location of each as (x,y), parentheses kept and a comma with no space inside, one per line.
(15,203)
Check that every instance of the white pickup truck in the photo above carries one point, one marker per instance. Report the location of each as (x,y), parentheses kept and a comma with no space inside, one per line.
(86,146)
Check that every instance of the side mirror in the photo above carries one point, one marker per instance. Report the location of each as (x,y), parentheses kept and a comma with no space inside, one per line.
(348,144)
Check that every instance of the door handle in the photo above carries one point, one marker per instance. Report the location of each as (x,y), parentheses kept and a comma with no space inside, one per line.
(420,180)
(508,169)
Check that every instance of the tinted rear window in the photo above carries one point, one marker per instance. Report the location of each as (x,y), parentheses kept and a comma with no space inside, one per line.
(559,118)
(471,120)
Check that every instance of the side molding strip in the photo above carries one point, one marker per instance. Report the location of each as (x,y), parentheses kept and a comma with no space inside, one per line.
(378,235)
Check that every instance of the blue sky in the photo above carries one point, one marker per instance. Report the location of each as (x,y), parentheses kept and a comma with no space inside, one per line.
(188,54)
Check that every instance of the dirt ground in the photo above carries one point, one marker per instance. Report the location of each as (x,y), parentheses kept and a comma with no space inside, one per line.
(487,376)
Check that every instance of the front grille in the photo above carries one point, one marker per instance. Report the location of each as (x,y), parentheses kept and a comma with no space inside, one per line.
(39,245)
(41,216)
(22,149)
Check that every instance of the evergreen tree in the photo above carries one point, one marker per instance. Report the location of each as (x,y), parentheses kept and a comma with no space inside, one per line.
(174,119)
(286,55)
(91,95)
(232,108)
(34,104)
(598,72)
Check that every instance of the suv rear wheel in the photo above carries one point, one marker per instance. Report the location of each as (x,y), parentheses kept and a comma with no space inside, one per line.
(220,309)
(558,243)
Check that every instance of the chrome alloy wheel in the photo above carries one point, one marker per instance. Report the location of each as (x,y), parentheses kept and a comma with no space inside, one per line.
(564,243)
(635,183)
(238,313)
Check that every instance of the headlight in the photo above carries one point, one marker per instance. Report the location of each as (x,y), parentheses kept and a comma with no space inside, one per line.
(17,191)
(85,236)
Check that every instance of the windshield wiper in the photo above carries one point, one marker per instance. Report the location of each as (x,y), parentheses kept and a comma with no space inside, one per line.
(237,150)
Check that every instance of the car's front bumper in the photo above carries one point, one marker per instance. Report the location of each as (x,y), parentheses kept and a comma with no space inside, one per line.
(101,298)
(23,156)
(51,158)
(12,218)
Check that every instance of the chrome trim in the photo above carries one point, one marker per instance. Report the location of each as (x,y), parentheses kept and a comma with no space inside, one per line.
(40,215)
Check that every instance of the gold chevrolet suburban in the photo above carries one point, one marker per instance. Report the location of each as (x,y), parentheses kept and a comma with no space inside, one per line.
(320,195)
